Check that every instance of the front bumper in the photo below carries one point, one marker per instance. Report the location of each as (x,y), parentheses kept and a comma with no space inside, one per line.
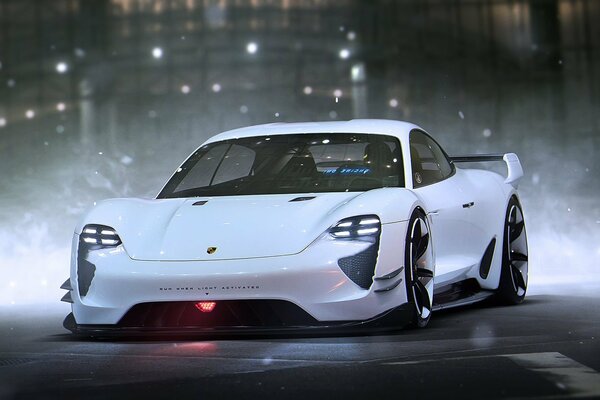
(394,319)
(311,280)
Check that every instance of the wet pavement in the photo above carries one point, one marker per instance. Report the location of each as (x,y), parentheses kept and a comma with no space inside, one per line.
(547,347)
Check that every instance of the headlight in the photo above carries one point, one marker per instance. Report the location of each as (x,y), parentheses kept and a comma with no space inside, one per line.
(101,235)
(93,237)
(359,267)
(361,227)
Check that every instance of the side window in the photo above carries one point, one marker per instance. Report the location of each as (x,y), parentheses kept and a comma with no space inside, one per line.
(429,163)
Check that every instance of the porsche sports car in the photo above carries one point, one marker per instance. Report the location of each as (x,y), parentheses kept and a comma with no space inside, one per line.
(292,226)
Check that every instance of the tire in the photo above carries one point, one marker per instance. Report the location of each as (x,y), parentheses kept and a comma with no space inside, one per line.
(514,273)
(418,261)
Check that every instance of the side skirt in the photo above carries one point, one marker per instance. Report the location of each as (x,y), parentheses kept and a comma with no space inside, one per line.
(459,294)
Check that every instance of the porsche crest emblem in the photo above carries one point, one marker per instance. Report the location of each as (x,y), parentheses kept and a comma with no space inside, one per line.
(211,250)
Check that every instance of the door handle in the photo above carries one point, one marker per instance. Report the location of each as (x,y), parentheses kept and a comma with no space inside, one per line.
(469,205)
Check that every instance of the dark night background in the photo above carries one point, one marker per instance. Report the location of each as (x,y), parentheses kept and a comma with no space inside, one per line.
(105,98)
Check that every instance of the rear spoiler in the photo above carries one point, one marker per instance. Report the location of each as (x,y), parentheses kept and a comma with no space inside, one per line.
(515,171)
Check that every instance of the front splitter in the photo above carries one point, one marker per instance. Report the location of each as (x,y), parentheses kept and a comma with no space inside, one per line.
(394,319)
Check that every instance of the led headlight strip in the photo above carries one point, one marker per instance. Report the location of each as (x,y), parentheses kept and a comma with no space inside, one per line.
(101,235)
(361,226)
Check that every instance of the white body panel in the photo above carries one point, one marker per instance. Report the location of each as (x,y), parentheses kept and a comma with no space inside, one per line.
(240,227)
(306,273)
(311,279)
(462,231)
(270,248)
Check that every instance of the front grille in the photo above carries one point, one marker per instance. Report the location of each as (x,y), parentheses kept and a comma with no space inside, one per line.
(360,267)
(227,313)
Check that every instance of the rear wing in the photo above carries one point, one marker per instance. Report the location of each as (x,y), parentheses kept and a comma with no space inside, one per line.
(515,171)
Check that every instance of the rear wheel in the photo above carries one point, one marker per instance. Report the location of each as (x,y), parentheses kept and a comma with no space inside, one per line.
(419,268)
(513,277)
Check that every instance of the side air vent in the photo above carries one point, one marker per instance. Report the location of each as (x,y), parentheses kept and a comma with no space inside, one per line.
(305,198)
(486,260)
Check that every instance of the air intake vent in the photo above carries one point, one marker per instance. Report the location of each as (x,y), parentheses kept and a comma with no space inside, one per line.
(85,269)
(227,313)
(360,267)
(305,198)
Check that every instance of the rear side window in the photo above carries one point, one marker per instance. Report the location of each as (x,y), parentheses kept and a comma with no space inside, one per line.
(429,162)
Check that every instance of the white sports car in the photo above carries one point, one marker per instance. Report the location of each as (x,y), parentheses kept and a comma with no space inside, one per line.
(364,223)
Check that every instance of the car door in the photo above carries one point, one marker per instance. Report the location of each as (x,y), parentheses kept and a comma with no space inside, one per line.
(445,192)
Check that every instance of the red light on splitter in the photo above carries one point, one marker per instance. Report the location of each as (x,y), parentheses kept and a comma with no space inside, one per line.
(205,306)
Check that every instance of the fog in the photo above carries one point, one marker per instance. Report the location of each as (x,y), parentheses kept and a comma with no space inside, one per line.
(105,99)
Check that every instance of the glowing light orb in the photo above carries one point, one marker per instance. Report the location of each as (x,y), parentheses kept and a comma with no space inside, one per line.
(251,48)
(157,52)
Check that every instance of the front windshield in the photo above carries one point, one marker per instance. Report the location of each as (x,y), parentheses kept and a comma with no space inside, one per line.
(297,163)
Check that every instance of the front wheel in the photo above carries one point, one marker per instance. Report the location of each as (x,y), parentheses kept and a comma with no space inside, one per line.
(513,276)
(419,268)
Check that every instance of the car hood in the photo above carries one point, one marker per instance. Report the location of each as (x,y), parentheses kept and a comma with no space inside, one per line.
(232,227)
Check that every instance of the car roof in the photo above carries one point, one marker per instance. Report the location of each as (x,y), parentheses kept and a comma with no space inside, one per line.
(400,129)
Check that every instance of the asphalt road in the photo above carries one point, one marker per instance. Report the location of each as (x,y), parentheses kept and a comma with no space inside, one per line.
(548,347)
